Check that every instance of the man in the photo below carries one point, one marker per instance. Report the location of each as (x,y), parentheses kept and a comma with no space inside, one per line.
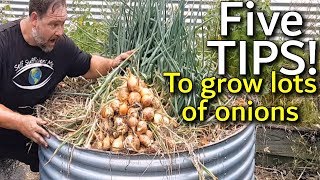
(35,55)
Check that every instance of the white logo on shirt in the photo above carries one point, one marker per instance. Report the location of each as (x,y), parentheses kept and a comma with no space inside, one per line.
(35,77)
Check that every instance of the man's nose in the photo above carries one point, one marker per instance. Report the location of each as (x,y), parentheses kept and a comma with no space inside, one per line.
(59,31)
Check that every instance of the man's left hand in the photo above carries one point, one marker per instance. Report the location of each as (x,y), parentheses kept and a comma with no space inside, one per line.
(121,57)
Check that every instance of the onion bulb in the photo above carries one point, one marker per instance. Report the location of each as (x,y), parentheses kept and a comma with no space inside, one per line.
(156,103)
(107,125)
(152,149)
(132,122)
(166,120)
(100,136)
(148,113)
(115,104)
(133,83)
(142,149)
(122,129)
(145,140)
(116,134)
(142,127)
(123,94)
(117,144)
(106,143)
(158,119)
(134,97)
(145,91)
(97,145)
(132,142)
(107,112)
(118,121)
(147,100)
(133,112)
(149,134)
(123,109)
(111,138)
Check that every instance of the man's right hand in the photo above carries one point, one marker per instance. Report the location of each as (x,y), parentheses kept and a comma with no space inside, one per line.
(30,127)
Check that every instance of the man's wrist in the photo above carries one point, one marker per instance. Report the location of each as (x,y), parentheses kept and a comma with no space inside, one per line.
(17,118)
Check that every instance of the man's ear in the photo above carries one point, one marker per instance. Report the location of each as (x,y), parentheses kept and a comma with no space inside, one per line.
(34,18)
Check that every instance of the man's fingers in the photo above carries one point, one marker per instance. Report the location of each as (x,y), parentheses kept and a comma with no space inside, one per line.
(39,139)
(41,122)
(34,140)
(125,55)
(130,52)
(42,131)
(121,57)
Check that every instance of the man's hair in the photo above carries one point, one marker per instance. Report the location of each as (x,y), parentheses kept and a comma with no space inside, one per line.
(41,6)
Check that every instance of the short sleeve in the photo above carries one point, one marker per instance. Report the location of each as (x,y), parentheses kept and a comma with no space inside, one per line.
(79,61)
(1,56)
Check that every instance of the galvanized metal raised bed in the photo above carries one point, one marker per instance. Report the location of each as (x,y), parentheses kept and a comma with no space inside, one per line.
(231,158)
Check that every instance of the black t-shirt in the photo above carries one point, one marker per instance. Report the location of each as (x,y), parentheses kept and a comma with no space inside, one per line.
(28,75)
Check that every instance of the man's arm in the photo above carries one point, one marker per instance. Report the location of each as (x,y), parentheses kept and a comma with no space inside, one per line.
(101,66)
(27,125)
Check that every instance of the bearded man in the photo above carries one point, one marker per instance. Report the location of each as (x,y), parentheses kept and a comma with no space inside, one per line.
(35,55)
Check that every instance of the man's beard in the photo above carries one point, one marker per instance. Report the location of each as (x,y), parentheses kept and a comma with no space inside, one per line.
(40,41)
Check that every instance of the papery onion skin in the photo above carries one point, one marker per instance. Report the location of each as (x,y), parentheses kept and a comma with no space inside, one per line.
(145,140)
(133,112)
(148,113)
(115,104)
(132,142)
(132,122)
(145,91)
(149,134)
(147,100)
(134,98)
(142,127)
(117,144)
(123,109)
(106,144)
(133,83)
(158,119)
(107,112)
(123,94)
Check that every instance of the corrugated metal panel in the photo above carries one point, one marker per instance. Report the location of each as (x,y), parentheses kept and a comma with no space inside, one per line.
(229,159)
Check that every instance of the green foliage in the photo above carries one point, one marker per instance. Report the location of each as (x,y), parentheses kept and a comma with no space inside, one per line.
(165,43)
(89,34)
(4,14)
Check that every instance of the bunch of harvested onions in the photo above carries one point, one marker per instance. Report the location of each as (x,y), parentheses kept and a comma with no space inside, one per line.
(125,118)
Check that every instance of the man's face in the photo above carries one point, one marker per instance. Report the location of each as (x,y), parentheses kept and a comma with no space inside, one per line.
(49,28)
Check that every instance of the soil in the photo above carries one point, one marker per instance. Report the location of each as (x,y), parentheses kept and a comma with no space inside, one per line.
(19,171)
(281,173)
